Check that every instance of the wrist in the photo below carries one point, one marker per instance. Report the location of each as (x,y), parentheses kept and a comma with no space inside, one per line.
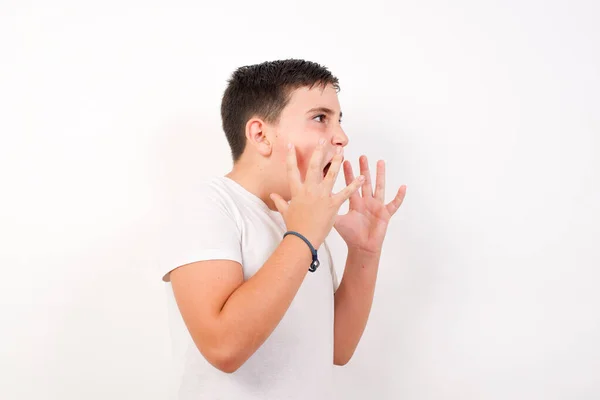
(315,240)
(362,254)
(313,250)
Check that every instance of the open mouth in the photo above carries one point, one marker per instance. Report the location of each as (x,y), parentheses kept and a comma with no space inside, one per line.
(326,169)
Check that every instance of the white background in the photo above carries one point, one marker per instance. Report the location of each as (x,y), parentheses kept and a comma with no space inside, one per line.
(487,111)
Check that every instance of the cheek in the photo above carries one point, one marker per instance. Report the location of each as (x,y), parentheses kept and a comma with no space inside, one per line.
(304,141)
(303,156)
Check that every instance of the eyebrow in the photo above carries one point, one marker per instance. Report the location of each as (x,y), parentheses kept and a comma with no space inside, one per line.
(323,110)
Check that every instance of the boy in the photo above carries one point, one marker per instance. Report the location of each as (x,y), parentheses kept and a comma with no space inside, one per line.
(248,264)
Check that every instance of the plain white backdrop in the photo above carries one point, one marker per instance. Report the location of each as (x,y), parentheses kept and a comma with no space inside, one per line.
(487,110)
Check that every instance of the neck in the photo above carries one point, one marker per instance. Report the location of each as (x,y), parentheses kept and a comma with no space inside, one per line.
(253,177)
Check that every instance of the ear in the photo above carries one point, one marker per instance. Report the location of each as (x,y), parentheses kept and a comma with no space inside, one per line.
(257,138)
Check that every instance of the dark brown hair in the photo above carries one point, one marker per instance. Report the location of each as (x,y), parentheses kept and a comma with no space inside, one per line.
(263,90)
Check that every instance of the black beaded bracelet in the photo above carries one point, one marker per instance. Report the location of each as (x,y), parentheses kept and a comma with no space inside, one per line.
(315,261)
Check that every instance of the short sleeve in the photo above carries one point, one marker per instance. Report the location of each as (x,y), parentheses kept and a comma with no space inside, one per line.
(199,227)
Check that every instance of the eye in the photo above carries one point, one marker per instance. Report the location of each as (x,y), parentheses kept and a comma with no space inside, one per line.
(321,116)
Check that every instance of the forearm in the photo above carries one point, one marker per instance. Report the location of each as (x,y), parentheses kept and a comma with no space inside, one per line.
(255,308)
(353,300)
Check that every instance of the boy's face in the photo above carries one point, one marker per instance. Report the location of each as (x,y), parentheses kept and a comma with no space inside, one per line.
(311,114)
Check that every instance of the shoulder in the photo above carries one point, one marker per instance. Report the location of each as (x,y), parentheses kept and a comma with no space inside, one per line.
(207,203)
(209,193)
(212,188)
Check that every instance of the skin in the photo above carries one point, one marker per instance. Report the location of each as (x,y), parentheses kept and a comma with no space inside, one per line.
(228,318)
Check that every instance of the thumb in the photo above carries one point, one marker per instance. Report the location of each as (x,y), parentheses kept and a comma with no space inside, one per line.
(280,203)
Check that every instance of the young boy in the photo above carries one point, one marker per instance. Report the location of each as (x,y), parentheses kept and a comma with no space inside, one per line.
(264,311)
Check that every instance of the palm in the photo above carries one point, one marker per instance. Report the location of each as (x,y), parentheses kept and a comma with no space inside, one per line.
(365,225)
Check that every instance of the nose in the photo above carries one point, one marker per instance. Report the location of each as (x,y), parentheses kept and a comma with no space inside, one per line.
(339,138)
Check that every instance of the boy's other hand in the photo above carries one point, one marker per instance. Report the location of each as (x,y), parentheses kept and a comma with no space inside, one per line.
(313,207)
(364,227)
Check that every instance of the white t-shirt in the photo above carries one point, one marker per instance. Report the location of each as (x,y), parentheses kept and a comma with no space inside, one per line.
(222,220)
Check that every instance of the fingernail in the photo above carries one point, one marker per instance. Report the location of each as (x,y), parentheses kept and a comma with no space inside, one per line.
(321,141)
(361,178)
(289,146)
(338,150)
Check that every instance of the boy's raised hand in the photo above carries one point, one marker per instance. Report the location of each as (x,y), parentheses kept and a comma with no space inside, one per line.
(364,227)
(313,207)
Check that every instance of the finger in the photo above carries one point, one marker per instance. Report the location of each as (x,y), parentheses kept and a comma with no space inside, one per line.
(345,193)
(314,174)
(395,204)
(380,181)
(292,169)
(334,169)
(367,188)
(280,203)
(349,175)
